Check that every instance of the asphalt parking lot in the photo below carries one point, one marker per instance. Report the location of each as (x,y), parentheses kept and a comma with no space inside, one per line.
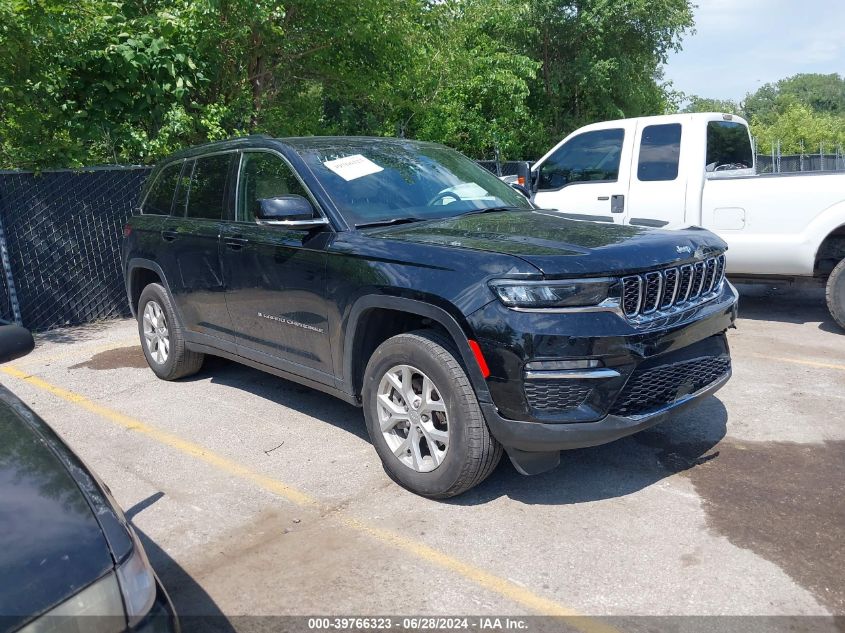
(257,496)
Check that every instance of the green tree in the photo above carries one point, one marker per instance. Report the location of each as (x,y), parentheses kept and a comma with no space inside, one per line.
(600,59)
(799,130)
(820,93)
(704,104)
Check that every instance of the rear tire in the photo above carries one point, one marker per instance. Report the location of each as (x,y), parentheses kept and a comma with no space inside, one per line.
(441,446)
(835,294)
(162,337)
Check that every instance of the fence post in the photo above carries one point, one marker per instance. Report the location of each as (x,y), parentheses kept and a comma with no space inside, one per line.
(821,155)
(10,280)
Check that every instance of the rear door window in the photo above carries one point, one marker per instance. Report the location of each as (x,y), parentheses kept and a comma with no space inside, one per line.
(160,198)
(206,194)
(588,157)
(660,151)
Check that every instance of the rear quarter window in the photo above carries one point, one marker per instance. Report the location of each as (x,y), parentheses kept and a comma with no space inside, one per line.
(160,199)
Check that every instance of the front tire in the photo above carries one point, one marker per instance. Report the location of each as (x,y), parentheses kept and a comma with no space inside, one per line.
(162,338)
(423,417)
(835,294)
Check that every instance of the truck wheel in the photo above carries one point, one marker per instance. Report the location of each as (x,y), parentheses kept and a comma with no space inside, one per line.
(423,417)
(835,293)
(162,338)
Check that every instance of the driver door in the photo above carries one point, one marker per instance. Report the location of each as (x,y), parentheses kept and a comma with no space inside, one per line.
(276,275)
(587,175)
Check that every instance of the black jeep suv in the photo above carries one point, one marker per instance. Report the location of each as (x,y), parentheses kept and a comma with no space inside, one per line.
(402,277)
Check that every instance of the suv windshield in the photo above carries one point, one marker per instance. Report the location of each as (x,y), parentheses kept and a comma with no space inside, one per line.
(375,180)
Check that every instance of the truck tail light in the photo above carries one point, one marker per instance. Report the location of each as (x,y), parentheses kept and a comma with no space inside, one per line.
(127,230)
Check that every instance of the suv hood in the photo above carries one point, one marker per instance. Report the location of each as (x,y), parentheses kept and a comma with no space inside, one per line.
(559,246)
(51,544)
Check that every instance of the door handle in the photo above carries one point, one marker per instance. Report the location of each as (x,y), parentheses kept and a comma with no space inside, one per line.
(235,242)
(617,203)
(603,198)
(168,235)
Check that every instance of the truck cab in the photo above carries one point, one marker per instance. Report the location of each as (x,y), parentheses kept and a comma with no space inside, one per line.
(647,171)
(680,170)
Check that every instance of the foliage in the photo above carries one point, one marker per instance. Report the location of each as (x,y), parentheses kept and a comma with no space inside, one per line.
(704,104)
(802,112)
(820,93)
(800,130)
(96,81)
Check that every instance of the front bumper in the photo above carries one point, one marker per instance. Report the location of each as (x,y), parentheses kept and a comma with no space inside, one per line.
(162,616)
(633,358)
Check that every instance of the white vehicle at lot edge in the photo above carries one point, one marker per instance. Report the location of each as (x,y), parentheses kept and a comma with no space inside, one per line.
(698,169)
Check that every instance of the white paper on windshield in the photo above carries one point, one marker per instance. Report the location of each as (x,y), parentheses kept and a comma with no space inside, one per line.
(352,167)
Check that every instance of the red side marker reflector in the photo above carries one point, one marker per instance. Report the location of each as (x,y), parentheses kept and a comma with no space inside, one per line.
(479,358)
(127,231)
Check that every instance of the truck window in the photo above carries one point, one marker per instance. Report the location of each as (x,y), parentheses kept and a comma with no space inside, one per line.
(160,198)
(588,157)
(660,150)
(264,175)
(208,184)
(728,146)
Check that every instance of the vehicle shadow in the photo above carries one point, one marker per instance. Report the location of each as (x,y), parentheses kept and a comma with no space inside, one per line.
(785,305)
(285,393)
(616,469)
(602,472)
(195,609)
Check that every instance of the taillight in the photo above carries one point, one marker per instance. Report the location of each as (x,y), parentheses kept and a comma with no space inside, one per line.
(127,230)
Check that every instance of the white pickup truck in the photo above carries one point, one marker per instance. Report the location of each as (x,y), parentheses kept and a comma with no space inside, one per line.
(698,169)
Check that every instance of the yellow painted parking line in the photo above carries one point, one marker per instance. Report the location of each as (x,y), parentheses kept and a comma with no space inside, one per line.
(801,361)
(491,582)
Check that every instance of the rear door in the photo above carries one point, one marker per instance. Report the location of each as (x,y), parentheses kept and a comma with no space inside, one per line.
(276,275)
(658,187)
(587,174)
(197,282)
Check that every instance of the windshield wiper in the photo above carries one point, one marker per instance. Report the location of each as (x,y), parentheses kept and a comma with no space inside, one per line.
(495,210)
(389,222)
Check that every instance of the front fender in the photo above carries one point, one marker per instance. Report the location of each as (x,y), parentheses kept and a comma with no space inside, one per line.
(459,334)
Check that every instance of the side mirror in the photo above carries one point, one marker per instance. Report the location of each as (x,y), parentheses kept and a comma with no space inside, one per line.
(291,209)
(15,341)
(523,190)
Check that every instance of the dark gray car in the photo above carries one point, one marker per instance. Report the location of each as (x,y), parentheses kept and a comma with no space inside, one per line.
(70,560)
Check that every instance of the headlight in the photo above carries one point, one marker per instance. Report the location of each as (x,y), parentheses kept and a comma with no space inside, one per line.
(137,583)
(568,293)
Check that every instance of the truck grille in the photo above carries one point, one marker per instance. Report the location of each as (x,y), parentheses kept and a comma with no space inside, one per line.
(665,291)
(556,395)
(650,389)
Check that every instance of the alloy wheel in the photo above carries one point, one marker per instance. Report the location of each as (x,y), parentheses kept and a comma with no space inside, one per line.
(156,336)
(412,417)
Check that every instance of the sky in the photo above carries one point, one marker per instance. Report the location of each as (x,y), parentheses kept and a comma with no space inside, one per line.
(740,45)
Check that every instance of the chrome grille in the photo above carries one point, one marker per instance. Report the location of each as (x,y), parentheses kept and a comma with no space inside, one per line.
(665,291)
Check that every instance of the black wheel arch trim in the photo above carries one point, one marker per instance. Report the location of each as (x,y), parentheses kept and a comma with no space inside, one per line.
(139,262)
(437,314)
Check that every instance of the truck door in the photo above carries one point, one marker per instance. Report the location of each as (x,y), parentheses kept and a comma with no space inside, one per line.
(658,188)
(587,175)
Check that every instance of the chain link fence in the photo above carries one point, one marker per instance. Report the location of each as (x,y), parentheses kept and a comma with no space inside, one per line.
(766,164)
(60,235)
